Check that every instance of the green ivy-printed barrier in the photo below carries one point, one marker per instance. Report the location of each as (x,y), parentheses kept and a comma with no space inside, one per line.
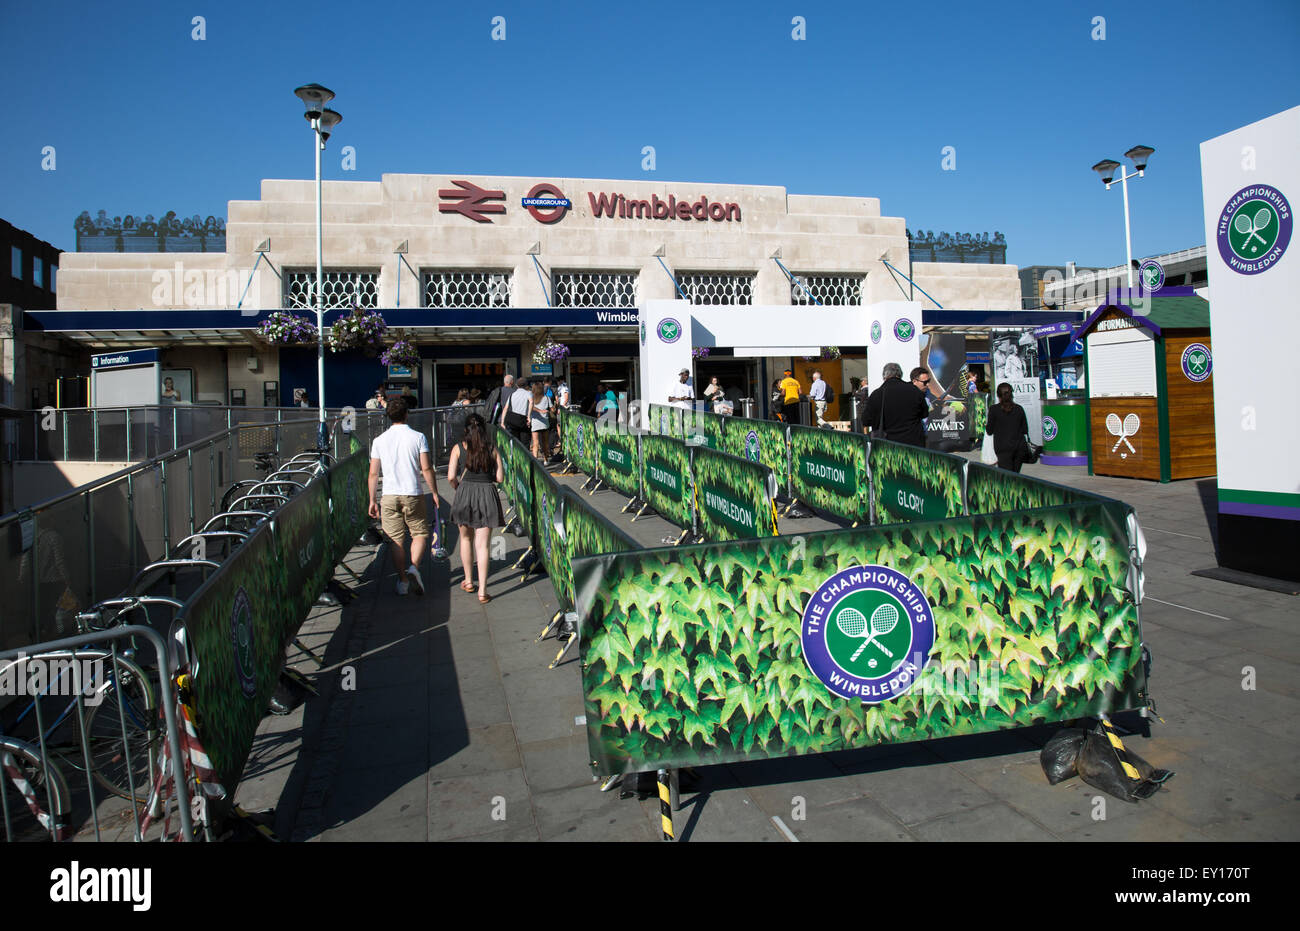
(990,489)
(234,627)
(666,420)
(666,478)
(702,428)
(501,440)
(580,444)
(349,493)
(703,654)
(518,466)
(765,441)
(828,470)
(588,533)
(618,458)
(733,496)
(304,547)
(979,417)
(548,523)
(910,483)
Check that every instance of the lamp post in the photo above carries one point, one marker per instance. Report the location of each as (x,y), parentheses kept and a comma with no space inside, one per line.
(1138,155)
(323,121)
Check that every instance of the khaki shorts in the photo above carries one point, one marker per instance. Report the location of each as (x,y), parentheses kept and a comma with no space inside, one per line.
(402,513)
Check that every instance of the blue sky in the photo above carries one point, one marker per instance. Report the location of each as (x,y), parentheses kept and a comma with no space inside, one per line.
(144,119)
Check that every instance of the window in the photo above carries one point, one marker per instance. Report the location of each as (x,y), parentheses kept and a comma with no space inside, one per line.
(594,289)
(17,266)
(342,289)
(831,290)
(54,270)
(457,288)
(715,289)
(38,271)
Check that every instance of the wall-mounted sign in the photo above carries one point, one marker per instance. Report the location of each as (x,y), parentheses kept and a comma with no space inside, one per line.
(471,201)
(543,369)
(631,208)
(122,359)
(1053,329)
(401,371)
(546,203)
(1197,362)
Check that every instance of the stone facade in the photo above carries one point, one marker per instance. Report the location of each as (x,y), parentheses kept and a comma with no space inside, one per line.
(364,221)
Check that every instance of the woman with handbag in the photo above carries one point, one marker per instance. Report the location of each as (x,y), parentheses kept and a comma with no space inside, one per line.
(475,469)
(1009,428)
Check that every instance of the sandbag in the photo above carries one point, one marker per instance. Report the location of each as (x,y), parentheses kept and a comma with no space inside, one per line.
(1060,755)
(1099,766)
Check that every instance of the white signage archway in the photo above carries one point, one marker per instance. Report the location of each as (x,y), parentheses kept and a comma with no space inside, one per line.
(891,331)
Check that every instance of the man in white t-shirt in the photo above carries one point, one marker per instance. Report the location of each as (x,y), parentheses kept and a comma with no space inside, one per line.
(682,392)
(401,455)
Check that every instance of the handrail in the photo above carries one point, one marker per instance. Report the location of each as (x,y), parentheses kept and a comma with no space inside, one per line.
(179,452)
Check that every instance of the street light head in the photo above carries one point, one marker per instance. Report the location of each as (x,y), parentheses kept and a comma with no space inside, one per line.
(1139,155)
(314,97)
(1106,168)
(328,120)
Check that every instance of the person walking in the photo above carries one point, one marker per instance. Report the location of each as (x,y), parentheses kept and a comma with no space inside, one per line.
(497,398)
(474,470)
(539,416)
(817,394)
(1008,426)
(790,392)
(894,410)
(514,416)
(401,456)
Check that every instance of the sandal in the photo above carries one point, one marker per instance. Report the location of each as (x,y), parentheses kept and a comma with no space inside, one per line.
(484,599)
(468,587)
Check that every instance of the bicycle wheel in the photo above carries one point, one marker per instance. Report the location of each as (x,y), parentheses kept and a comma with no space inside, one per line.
(33,808)
(129,698)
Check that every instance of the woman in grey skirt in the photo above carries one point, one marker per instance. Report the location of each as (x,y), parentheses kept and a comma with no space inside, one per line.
(474,469)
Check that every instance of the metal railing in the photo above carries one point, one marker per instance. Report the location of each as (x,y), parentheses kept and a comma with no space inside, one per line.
(88,745)
(70,551)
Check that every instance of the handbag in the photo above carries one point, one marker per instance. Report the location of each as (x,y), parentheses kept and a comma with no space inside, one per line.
(515,421)
(1028,452)
(987,454)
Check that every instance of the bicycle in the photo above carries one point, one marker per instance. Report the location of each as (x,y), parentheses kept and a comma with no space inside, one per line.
(122,766)
(26,777)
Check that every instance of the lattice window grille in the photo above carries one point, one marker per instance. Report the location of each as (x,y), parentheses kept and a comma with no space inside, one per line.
(342,289)
(717,289)
(595,289)
(467,289)
(831,290)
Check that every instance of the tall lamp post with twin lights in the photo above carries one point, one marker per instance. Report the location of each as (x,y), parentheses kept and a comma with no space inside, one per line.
(323,121)
(1138,155)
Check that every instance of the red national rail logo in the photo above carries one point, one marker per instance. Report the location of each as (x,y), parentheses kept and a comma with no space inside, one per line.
(471,201)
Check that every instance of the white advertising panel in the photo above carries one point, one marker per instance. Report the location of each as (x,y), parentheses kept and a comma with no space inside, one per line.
(1250,180)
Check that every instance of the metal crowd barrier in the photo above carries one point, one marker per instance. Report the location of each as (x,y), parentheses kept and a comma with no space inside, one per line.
(90,734)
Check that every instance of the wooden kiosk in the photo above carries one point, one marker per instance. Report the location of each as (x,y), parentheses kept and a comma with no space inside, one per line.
(1151,387)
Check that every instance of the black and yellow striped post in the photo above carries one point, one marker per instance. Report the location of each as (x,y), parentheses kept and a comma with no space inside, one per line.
(1118,746)
(547,629)
(666,804)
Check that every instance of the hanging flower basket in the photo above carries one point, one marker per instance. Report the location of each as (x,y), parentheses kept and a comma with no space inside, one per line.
(549,351)
(360,329)
(283,328)
(699,352)
(402,352)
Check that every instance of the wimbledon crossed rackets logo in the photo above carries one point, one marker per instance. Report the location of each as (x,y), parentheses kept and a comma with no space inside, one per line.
(875,331)
(1197,362)
(751,446)
(867,633)
(1254,229)
(670,330)
(642,332)
(1049,429)
(1123,430)
(241,638)
(904,329)
(547,526)
(579,439)
(1153,275)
